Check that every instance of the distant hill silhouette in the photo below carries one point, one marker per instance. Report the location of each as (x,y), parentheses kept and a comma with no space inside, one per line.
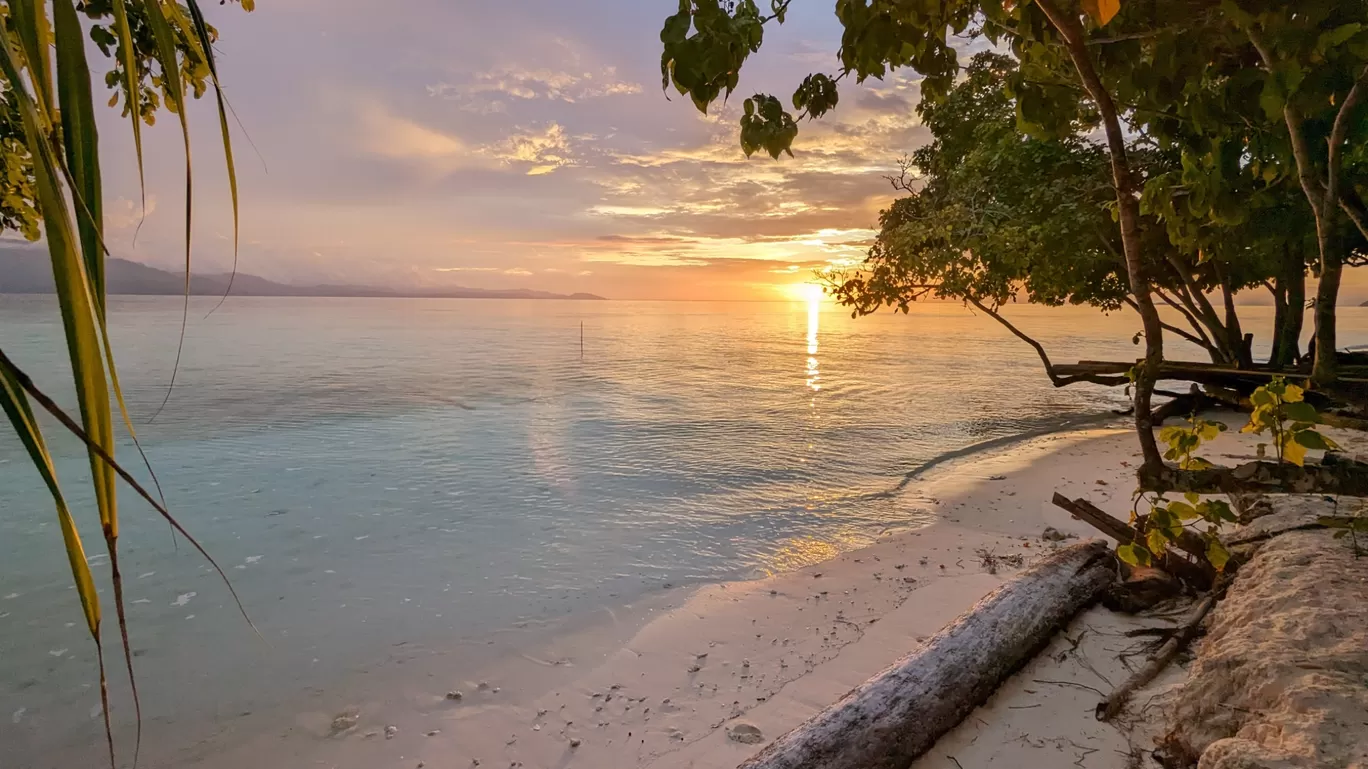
(26,270)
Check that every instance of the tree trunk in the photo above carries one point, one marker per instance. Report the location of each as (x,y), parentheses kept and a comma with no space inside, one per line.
(1325,370)
(896,716)
(1277,356)
(1289,296)
(1128,205)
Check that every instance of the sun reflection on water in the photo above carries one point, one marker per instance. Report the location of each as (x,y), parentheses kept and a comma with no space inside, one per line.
(814,374)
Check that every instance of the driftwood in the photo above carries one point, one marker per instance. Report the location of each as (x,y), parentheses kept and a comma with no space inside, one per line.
(896,716)
(1182,635)
(1335,476)
(1196,574)
(1219,375)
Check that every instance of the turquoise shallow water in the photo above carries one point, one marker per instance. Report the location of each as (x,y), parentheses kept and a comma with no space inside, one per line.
(373,472)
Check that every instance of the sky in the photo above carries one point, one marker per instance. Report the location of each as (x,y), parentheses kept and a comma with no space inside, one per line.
(508,144)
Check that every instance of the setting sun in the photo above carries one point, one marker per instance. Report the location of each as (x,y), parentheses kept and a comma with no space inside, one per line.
(805,292)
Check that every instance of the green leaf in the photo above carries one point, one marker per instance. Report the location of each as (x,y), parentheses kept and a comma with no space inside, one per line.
(1300,411)
(1135,555)
(1293,451)
(1217,554)
(1157,541)
(1183,512)
(16,407)
(80,141)
(676,27)
(1311,439)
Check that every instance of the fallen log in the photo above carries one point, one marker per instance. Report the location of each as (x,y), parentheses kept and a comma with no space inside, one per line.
(1196,574)
(1219,375)
(1335,476)
(897,715)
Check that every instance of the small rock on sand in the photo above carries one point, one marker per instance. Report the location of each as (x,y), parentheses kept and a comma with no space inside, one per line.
(343,722)
(744,733)
(454,695)
(575,742)
(390,731)
(1051,534)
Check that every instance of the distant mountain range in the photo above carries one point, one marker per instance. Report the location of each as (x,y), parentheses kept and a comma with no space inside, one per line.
(26,270)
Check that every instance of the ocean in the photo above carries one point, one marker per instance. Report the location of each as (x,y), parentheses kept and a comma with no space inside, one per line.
(447,475)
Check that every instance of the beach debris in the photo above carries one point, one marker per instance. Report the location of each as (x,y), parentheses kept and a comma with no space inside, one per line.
(704,655)
(390,731)
(1145,588)
(344,721)
(694,668)
(997,477)
(482,686)
(454,695)
(909,580)
(536,727)
(991,561)
(745,663)
(744,733)
(817,575)
(1051,534)
(434,732)
(575,742)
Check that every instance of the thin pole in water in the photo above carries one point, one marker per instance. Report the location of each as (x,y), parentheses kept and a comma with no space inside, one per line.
(581,340)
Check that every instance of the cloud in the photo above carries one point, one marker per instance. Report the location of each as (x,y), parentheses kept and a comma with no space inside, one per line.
(387,135)
(536,150)
(123,213)
(492,90)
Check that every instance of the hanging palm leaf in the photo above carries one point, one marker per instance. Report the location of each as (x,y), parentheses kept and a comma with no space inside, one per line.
(52,186)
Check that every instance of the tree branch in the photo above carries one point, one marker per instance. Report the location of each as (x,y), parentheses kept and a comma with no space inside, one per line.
(1167,327)
(1337,137)
(1055,379)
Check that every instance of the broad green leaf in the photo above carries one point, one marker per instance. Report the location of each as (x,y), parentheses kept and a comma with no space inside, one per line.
(1293,451)
(1217,554)
(1157,541)
(1300,411)
(1133,554)
(1313,440)
(1183,511)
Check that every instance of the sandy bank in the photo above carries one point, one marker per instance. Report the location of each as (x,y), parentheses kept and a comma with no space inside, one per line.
(664,684)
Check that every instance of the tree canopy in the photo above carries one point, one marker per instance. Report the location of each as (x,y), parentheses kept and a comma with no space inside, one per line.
(1180,74)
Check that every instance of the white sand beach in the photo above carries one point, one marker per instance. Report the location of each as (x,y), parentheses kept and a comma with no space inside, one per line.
(666,683)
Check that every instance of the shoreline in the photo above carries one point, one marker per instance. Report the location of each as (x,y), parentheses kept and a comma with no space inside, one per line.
(659,682)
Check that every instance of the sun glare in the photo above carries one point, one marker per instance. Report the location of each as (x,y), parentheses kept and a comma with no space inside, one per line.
(805,292)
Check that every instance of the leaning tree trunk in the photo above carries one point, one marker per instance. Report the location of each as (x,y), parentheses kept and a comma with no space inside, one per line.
(1128,205)
(897,715)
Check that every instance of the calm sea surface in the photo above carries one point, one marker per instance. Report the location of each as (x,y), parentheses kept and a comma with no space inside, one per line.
(377,472)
